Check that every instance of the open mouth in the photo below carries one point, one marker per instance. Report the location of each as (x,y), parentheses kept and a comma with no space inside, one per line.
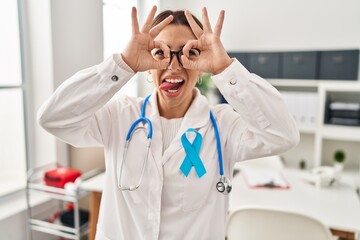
(171,85)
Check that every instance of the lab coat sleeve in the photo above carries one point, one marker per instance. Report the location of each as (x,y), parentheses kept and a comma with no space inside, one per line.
(261,124)
(78,112)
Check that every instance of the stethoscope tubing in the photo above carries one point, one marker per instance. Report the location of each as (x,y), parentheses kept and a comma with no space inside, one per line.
(223,186)
(218,144)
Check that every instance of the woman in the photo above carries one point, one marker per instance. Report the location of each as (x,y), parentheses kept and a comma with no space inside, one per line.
(175,199)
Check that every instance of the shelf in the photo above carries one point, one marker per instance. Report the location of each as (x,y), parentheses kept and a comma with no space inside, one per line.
(306,129)
(59,230)
(337,132)
(37,187)
(307,82)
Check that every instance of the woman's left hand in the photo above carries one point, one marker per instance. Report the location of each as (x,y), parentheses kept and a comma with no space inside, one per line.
(213,57)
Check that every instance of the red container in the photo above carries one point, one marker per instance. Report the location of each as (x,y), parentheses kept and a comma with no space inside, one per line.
(58,177)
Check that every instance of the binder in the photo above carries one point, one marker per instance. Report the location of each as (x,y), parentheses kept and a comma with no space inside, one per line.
(261,178)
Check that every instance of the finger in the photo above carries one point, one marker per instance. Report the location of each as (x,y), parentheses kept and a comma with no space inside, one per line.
(206,21)
(188,64)
(162,64)
(134,21)
(161,45)
(149,19)
(219,23)
(190,45)
(194,26)
(157,29)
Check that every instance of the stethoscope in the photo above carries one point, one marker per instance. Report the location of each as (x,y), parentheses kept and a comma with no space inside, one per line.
(224,185)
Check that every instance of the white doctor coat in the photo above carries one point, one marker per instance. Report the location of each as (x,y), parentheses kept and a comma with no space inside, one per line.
(167,205)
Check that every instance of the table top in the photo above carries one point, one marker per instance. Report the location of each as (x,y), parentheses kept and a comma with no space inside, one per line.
(337,206)
(94,184)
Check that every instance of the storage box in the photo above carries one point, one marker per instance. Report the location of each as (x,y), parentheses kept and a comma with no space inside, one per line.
(299,65)
(266,65)
(339,65)
(58,177)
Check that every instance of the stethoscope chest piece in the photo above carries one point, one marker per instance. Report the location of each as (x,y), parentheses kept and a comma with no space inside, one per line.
(224,185)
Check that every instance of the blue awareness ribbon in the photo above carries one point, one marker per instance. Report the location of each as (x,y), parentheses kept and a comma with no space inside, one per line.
(192,157)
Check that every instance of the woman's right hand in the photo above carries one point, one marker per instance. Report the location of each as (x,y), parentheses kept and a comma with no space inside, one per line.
(137,54)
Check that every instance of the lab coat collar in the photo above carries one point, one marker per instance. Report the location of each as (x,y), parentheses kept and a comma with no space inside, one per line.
(197,116)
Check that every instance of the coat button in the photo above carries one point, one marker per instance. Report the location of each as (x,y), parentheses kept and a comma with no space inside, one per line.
(233,81)
(114,78)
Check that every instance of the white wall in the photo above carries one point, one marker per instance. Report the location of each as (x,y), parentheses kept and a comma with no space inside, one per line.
(282,24)
(62,37)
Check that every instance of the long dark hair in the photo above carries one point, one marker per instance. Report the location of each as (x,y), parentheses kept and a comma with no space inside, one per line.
(179,18)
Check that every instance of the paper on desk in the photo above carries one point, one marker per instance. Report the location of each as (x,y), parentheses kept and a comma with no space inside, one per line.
(264,178)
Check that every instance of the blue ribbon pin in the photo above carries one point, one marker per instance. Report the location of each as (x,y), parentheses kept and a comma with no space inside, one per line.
(192,154)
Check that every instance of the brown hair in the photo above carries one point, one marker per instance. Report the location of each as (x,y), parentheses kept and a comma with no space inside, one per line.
(179,18)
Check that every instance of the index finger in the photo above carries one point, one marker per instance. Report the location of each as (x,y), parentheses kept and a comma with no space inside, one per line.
(193,25)
(157,29)
(149,19)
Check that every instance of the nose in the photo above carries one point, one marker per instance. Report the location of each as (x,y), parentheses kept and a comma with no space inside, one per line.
(175,63)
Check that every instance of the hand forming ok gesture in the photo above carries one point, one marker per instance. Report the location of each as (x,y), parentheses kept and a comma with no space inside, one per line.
(137,53)
(213,58)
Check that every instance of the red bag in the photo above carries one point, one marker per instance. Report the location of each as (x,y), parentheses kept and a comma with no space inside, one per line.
(58,177)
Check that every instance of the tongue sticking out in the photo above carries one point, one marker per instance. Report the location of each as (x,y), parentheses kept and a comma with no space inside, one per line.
(169,86)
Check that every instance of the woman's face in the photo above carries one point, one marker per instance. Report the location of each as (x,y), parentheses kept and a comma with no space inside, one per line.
(175,84)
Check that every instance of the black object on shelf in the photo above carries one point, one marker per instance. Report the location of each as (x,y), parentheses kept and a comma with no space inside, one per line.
(67,217)
(343,113)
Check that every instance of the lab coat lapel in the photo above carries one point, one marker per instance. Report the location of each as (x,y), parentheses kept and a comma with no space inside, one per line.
(197,116)
(152,112)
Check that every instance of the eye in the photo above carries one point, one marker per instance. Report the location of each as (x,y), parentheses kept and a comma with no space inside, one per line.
(194,52)
(159,52)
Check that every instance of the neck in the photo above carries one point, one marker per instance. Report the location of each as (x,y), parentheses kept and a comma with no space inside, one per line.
(175,109)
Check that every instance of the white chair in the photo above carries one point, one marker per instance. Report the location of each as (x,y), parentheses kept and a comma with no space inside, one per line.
(255,223)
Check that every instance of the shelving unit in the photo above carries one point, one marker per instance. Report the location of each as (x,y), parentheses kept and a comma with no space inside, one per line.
(320,140)
(35,185)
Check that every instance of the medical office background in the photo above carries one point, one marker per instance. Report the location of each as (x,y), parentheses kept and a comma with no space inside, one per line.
(43,42)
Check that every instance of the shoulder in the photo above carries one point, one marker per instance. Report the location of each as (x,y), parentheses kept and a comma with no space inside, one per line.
(221,110)
(122,102)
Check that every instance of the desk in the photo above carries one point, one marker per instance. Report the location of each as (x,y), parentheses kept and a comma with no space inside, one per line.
(95,186)
(338,206)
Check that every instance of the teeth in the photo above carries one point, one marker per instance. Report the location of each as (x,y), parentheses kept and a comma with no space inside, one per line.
(172,91)
(174,80)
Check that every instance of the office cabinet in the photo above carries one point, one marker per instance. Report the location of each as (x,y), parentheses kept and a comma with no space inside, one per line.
(320,139)
(299,65)
(309,80)
(342,65)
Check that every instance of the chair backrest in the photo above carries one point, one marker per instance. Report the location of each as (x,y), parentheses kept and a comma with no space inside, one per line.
(269,224)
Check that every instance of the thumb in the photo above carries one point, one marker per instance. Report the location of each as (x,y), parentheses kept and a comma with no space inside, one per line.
(161,64)
(188,64)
